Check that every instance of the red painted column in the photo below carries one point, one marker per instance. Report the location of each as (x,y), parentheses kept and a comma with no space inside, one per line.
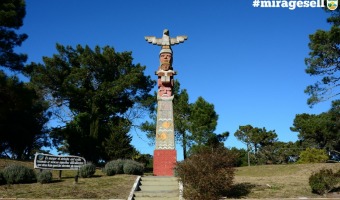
(164,162)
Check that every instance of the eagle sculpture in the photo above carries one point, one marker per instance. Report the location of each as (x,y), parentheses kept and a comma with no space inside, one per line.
(165,40)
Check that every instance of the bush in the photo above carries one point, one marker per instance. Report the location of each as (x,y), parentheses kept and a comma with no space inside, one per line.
(19,174)
(109,168)
(114,167)
(323,181)
(207,174)
(87,171)
(44,176)
(133,167)
(312,155)
(123,167)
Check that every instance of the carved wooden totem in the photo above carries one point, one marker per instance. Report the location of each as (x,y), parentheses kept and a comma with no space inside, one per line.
(165,153)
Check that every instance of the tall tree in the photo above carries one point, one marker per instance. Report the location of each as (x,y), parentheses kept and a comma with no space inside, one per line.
(23,119)
(203,121)
(324,61)
(278,153)
(259,143)
(23,113)
(12,13)
(202,124)
(99,87)
(254,137)
(319,131)
(335,116)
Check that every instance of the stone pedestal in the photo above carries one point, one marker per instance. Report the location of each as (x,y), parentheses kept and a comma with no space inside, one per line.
(164,161)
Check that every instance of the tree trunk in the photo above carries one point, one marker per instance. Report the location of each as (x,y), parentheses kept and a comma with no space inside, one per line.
(184,145)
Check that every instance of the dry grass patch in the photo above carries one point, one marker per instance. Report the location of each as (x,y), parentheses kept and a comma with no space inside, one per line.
(98,187)
(277,181)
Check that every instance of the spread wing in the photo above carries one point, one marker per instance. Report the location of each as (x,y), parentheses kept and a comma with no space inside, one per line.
(153,40)
(178,39)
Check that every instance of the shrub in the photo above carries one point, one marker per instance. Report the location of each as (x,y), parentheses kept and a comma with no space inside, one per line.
(44,176)
(207,174)
(312,155)
(18,174)
(87,171)
(109,169)
(133,167)
(323,181)
(114,167)
(123,167)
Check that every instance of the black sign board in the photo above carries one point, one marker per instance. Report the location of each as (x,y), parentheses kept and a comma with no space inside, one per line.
(47,161)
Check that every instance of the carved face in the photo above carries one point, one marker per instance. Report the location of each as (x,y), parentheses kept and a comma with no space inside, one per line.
(165,57)
(165,91)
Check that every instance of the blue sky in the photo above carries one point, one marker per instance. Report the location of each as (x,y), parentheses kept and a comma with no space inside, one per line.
(248,62)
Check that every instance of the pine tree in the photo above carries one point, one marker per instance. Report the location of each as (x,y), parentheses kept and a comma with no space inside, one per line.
(99,87)
(324,61)
(12,13)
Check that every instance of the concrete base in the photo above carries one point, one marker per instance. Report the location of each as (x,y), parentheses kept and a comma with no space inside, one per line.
(164,161)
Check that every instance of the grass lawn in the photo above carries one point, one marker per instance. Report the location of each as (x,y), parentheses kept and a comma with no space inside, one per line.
(277,181)
(266,181)
(98,187)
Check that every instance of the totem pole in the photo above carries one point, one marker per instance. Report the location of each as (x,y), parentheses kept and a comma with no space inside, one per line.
(165,154)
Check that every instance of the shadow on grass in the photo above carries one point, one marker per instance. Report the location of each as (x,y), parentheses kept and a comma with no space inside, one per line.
(70,177)
(73,177)
(96,176)
(93,176)
(240,190)
(56,181)
(337,189)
